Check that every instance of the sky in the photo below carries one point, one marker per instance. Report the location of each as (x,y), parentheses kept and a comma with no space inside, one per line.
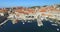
(27,3)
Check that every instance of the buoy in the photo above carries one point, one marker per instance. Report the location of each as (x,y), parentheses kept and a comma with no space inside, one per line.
(28,21)
(57,29)
(23,23)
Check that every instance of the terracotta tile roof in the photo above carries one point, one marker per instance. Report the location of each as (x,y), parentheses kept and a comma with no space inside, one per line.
(31,11)
(3,11)
(42,9)
(25,11)
(46,14)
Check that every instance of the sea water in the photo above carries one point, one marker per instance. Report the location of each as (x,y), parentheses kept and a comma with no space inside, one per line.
(28,27)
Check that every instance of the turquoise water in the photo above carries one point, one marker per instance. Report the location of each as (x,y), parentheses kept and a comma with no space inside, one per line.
(28,27)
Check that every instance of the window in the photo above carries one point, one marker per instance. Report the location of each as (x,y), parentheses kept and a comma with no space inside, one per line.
(29,16)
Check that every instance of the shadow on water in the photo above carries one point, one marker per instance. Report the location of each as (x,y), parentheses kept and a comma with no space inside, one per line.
(28,27)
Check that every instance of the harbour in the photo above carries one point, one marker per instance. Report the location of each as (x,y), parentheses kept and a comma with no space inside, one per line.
(27,19)
(29,27)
